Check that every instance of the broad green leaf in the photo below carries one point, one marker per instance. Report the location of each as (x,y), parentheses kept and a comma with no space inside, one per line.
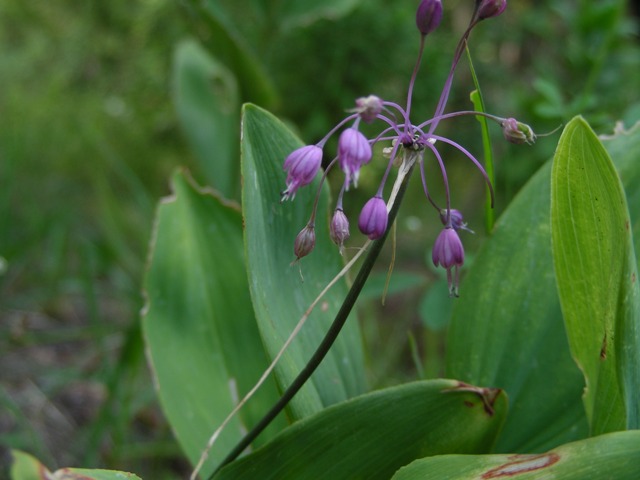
(296,13)
(615,456)
(507,329)
(597,277)
(199,327)
(371,436)
(27,467)
(206,98)
(280,296)
(623,146)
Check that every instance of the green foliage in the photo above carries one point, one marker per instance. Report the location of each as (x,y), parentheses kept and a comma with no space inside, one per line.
(596,273)
(617,457)
(207,102)
(507,328)
(204,347)
(270,228)
(371,436)
(88,137)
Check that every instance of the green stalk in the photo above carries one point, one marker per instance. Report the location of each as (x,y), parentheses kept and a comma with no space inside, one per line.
(478,104)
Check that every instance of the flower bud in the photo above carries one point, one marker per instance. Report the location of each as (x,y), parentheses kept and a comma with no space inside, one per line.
(353,152)
(368,107)
(517,132)
(428,16)
(339,228)
(491,8)
(373,218)
(301,166)
(305,241)
(455,220)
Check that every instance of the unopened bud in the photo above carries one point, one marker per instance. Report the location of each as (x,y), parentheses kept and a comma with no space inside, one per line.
(455,220)
(517,132)
(491,8)
(305,241)
(428,16)
(373,218)
(339,228)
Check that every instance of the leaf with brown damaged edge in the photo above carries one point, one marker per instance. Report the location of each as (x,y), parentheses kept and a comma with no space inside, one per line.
(488,395)
(371,436)
(614,455)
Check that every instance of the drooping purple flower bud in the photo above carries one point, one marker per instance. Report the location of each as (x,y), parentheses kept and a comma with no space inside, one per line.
(301,166)
(517,132)
(353,152)
(305,241)
(448,253)
(491,8)
(373,218)
(456,220)
(339,228)
(368,107)
(428,16)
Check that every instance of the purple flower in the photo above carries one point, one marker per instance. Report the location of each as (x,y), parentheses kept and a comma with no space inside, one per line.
(428,16)
(301,166)
(448,253)
(373,218)
(353,152)
(491,8)
(517,132)
(456,220)
(305,241)
(339,228)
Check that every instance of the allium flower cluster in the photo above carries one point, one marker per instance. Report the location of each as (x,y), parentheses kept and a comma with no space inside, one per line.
(406,138)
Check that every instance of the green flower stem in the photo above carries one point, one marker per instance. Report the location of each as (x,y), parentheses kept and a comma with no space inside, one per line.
(330,337)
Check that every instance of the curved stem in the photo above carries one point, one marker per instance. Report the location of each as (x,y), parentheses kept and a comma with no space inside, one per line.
(327,341)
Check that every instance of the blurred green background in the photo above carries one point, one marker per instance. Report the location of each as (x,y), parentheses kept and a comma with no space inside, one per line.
(93,120)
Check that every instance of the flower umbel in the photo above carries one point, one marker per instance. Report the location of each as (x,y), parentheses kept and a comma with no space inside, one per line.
(401,137)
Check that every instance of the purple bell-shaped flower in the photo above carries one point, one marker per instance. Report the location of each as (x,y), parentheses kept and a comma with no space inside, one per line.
(353,152)
(448,253)
(301,166)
